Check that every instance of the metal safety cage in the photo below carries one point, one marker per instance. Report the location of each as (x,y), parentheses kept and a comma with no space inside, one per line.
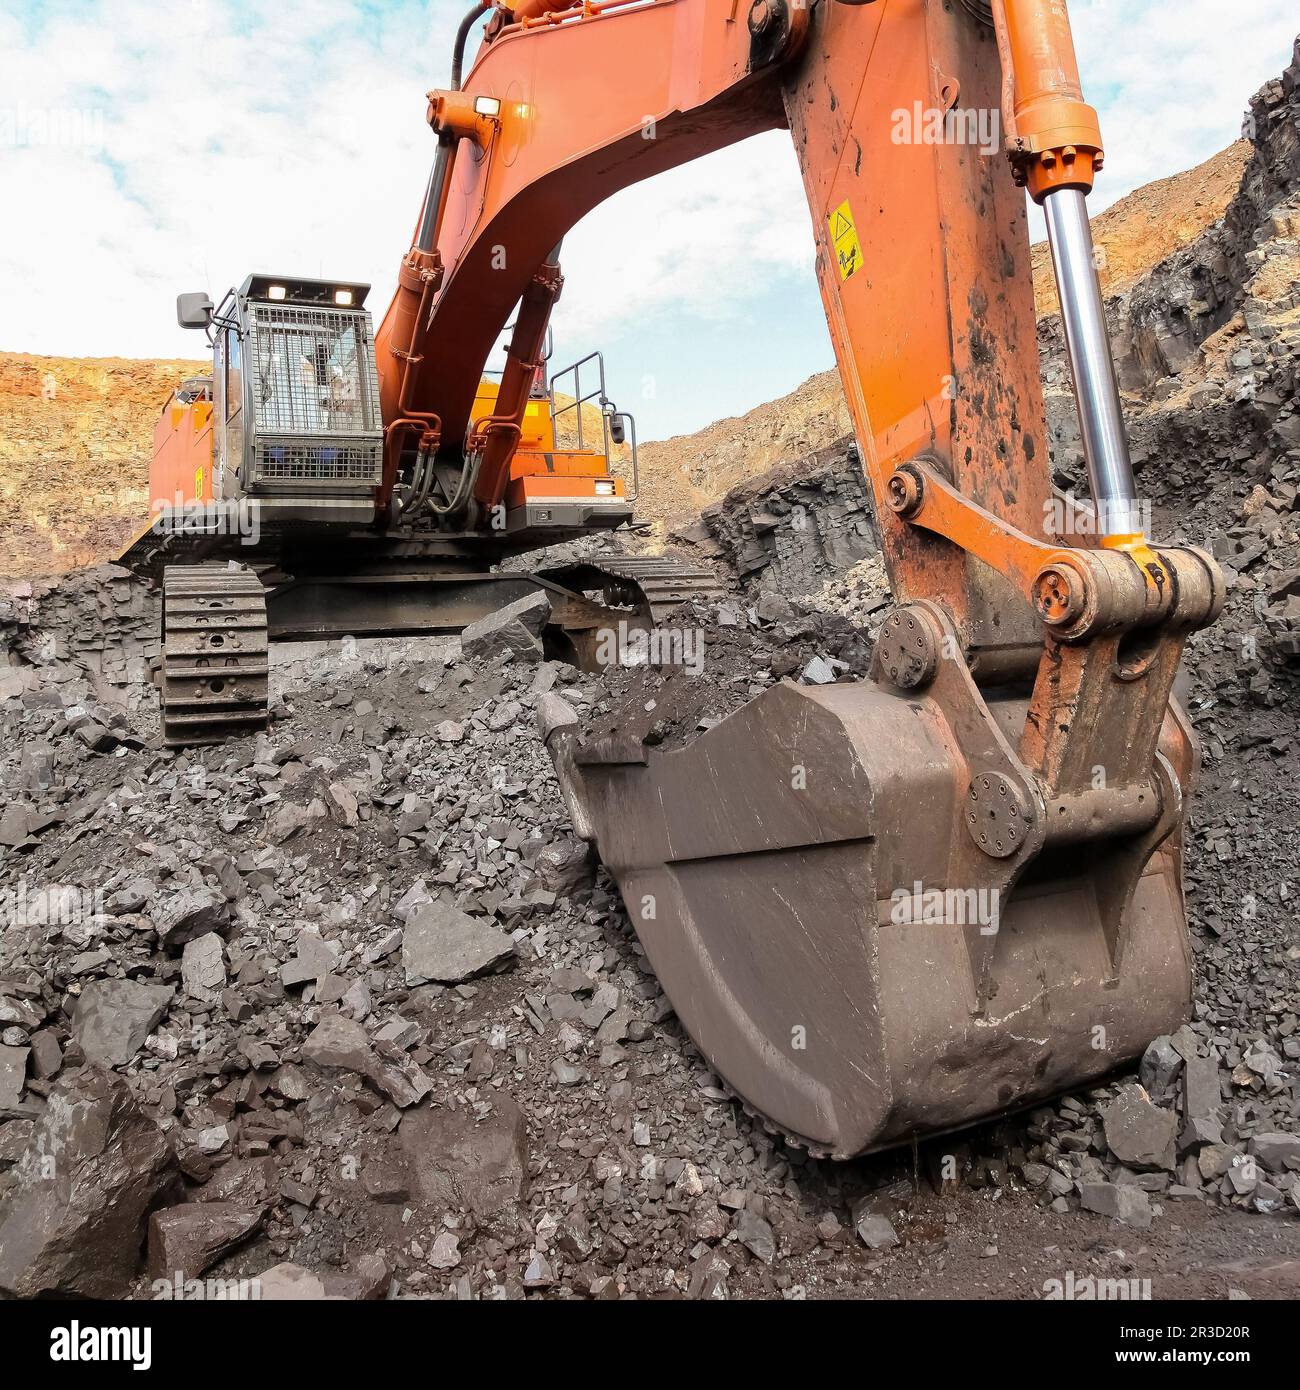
(313,399)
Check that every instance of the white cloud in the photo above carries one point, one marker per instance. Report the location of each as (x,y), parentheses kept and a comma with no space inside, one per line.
(695,243)
(1173,78)
(290,137)
(283,137)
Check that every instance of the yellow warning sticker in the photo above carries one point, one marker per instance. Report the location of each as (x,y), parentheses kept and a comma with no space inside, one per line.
(198,483)
(844,238)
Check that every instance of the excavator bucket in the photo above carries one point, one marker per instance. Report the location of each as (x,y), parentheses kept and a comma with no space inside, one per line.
(808,880)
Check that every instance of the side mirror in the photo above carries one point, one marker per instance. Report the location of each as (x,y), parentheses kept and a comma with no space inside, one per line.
(617,429)
(194,310)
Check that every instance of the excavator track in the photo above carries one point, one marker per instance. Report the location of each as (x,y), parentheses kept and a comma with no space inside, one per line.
(214,666)
(653,585)
(665,584)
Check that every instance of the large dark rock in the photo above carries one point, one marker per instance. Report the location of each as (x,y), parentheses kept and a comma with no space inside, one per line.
(566,866)
(185,1240)
(1201,1093)
(1138,1133)
(95,1168)
(340,1044)
(445,944)
(515,631)
(461,1163)
(13,1071)
(1120,1201)
(191,914)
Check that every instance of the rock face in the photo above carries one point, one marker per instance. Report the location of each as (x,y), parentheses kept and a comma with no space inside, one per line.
(444,944)
(793,528)
(111,621)
(114,1017)
(96,1166)
(1208,346)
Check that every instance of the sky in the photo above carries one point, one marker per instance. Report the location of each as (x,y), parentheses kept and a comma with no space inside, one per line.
(147,149)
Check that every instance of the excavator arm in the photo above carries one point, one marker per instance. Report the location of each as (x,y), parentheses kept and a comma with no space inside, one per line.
(1017,739)
(895,109)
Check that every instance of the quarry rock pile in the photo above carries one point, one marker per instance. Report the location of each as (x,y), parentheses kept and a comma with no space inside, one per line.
(364,989)
(792,529)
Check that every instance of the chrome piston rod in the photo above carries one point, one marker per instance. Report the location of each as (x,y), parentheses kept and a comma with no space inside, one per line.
(1096,389)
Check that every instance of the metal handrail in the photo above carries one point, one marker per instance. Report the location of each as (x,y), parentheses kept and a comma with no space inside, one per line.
(579,400)
(631,435)
(607,411)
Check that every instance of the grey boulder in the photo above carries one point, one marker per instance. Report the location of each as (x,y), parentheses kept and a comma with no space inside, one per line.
(114,1017)
(444,944)
(514,631)
(461,1163)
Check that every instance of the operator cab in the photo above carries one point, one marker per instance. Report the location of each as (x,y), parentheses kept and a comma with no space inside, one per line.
(295,397)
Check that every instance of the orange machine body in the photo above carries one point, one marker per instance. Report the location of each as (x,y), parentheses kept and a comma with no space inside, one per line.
(181,469)
(541,472)
(180,472)
(563,107)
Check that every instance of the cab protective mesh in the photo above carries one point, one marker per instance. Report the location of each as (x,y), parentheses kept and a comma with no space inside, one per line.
(315,398)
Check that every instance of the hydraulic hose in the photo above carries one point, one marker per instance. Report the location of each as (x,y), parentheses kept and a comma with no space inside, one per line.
(464,488)
(462,37)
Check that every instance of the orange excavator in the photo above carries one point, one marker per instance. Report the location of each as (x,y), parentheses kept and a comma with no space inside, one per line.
(1017,745)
